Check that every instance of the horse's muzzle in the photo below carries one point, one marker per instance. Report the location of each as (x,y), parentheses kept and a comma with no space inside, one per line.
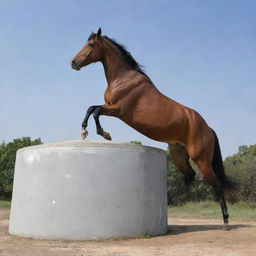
(76,65)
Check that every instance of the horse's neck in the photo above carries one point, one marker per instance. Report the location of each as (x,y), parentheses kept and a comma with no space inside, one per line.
(113,62)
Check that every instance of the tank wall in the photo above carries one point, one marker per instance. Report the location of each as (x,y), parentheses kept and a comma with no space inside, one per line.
(89,191)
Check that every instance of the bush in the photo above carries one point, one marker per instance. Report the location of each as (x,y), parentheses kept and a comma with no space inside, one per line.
(7,163)
(241,167)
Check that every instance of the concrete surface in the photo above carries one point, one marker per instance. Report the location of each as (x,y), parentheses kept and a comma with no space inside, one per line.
(78,190)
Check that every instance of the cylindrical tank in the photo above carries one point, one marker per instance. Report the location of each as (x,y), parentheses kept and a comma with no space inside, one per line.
(84,190)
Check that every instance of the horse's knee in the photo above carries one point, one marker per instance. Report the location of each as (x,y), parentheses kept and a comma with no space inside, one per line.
(89,111)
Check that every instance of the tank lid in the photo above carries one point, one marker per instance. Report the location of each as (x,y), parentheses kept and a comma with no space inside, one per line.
(91,143)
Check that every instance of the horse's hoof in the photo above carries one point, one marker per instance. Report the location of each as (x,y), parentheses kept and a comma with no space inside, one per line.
(226,227)
(84,134)
(106,136)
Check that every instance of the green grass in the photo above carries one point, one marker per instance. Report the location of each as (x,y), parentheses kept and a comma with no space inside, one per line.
(146,236)
(5,204)
(209,209)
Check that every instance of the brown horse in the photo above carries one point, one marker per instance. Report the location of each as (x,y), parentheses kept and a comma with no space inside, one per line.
(132,97)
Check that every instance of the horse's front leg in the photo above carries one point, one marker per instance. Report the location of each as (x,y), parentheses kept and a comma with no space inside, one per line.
(90,110)
(104,110)
(100,131)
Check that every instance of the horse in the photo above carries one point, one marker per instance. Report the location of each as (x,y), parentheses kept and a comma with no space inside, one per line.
(132,97)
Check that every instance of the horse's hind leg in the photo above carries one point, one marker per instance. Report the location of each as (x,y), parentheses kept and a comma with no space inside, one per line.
(180,158)
(209,174)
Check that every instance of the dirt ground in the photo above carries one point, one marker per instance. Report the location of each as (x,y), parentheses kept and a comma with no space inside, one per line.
(186,237)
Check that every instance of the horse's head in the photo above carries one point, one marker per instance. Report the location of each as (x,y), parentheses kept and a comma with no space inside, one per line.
(91,52)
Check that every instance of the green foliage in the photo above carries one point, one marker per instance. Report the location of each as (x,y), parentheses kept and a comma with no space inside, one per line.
(241,167)
(136,142)
(7,162)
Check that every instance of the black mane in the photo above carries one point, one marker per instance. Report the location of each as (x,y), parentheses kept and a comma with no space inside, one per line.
(127,55)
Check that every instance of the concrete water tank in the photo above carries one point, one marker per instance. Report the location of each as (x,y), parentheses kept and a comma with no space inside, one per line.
(78,190)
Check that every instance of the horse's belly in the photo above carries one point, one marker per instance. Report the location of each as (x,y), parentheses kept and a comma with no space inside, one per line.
(160,129)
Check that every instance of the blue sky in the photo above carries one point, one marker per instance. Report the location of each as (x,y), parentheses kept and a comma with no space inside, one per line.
(200,53)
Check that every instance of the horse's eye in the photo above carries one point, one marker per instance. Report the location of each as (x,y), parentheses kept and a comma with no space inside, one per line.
(91,44)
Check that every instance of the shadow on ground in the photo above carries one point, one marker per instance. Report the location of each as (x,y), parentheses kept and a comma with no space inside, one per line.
(180,229)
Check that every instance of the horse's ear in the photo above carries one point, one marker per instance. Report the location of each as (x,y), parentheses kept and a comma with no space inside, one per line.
(98,33)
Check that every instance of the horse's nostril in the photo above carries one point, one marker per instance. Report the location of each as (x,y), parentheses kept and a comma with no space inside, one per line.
(73,64)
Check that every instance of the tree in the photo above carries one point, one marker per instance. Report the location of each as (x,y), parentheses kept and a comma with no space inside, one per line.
(241,167)
(7,162)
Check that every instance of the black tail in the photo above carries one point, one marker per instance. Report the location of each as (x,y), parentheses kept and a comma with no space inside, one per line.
(217,165)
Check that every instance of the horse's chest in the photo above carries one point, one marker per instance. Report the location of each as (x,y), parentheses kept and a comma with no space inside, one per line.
(108,97)
(111,96)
